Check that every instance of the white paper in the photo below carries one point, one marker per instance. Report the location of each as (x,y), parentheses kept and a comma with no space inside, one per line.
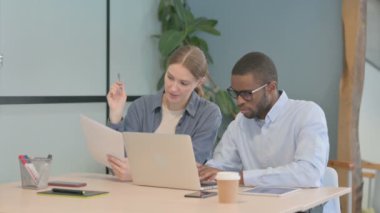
(102,140)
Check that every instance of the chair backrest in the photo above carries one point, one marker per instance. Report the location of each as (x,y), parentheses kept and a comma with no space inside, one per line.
(330,179)
(376,192)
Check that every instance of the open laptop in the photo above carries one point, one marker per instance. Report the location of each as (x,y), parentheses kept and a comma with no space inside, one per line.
(156,159)
(163,160)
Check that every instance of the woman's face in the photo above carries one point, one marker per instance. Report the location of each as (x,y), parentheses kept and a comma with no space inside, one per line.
(179,84)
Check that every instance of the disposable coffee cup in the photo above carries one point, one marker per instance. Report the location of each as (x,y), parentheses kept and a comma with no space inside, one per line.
(228,185)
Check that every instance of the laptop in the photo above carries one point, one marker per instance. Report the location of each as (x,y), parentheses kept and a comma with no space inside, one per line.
(163,160)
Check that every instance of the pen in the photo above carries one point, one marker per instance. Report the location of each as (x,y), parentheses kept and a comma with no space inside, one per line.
(68,191)
(204,162)
(119,82)
(31,170)
(31,167)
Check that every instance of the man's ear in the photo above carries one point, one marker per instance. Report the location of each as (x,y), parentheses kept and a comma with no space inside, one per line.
(272,86)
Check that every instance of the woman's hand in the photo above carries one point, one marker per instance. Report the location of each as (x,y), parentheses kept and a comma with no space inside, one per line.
(120,167)
(116,99)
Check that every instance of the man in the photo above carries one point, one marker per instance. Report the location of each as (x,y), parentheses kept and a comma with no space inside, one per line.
(274,140)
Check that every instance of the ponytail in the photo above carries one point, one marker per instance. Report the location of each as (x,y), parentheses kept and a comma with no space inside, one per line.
(199,91)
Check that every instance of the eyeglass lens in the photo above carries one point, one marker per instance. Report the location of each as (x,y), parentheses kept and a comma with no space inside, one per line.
(245,94)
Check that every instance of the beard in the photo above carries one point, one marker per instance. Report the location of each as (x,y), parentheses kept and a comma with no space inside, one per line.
(262,108)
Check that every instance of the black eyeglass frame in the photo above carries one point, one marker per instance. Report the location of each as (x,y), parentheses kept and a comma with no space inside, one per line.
(245,94)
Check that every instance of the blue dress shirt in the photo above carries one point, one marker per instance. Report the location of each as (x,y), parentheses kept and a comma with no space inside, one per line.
(289,148)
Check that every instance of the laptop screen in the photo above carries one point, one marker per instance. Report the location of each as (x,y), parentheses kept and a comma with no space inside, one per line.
(162,160)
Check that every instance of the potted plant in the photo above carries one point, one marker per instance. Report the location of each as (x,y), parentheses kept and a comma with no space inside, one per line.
(180,27)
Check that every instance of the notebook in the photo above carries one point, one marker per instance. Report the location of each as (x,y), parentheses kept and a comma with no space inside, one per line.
(163,160)
(73,193)
(102,140)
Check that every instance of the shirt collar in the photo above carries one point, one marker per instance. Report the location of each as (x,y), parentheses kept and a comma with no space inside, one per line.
(157,100)
(190,108)
(276,108)
(193,103)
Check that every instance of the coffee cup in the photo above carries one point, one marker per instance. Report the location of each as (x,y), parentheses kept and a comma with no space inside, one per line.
(228,185)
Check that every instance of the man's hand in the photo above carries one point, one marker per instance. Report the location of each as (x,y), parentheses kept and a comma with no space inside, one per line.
(207,173)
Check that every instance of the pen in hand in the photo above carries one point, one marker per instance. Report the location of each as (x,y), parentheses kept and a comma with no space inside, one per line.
(119,90)
(204,162)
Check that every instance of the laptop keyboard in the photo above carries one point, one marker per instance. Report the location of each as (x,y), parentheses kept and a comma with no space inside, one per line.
(208,185)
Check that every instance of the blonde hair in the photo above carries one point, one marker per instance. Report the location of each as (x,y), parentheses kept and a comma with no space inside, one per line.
(193,59)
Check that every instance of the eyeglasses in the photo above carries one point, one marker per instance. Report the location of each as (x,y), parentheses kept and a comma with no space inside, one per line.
(245,94)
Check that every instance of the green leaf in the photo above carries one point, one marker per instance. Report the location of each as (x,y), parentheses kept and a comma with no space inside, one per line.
(165,11)
(156,36)
(171,21)
(202,44)
(169,41)
(183,12)
(208,26)
(193,26)
(162,10)
(176,23)
(225,102)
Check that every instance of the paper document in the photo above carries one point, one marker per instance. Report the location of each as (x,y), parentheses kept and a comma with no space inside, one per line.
(102,140)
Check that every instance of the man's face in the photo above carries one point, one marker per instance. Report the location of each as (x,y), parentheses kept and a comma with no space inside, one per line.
(251,105)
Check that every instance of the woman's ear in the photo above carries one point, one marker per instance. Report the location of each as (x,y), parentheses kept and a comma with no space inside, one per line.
(201,81)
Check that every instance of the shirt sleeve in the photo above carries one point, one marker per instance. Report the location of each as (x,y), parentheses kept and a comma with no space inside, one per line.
(132,120)
(204,135)
(226,155)
(310,158)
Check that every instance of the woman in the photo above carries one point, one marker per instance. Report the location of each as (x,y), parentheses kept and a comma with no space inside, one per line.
(178,109)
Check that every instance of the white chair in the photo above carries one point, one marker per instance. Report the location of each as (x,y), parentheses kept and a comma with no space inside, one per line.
(348,168)
(376,195)
(330,179)
(371,171)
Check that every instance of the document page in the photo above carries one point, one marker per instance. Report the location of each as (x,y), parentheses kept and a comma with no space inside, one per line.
(102,140)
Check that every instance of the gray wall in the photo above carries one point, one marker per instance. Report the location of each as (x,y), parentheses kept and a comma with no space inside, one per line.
(55,47)
(52,47)
(303,38)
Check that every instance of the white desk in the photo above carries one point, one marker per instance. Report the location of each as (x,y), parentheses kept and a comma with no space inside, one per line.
(126,197)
